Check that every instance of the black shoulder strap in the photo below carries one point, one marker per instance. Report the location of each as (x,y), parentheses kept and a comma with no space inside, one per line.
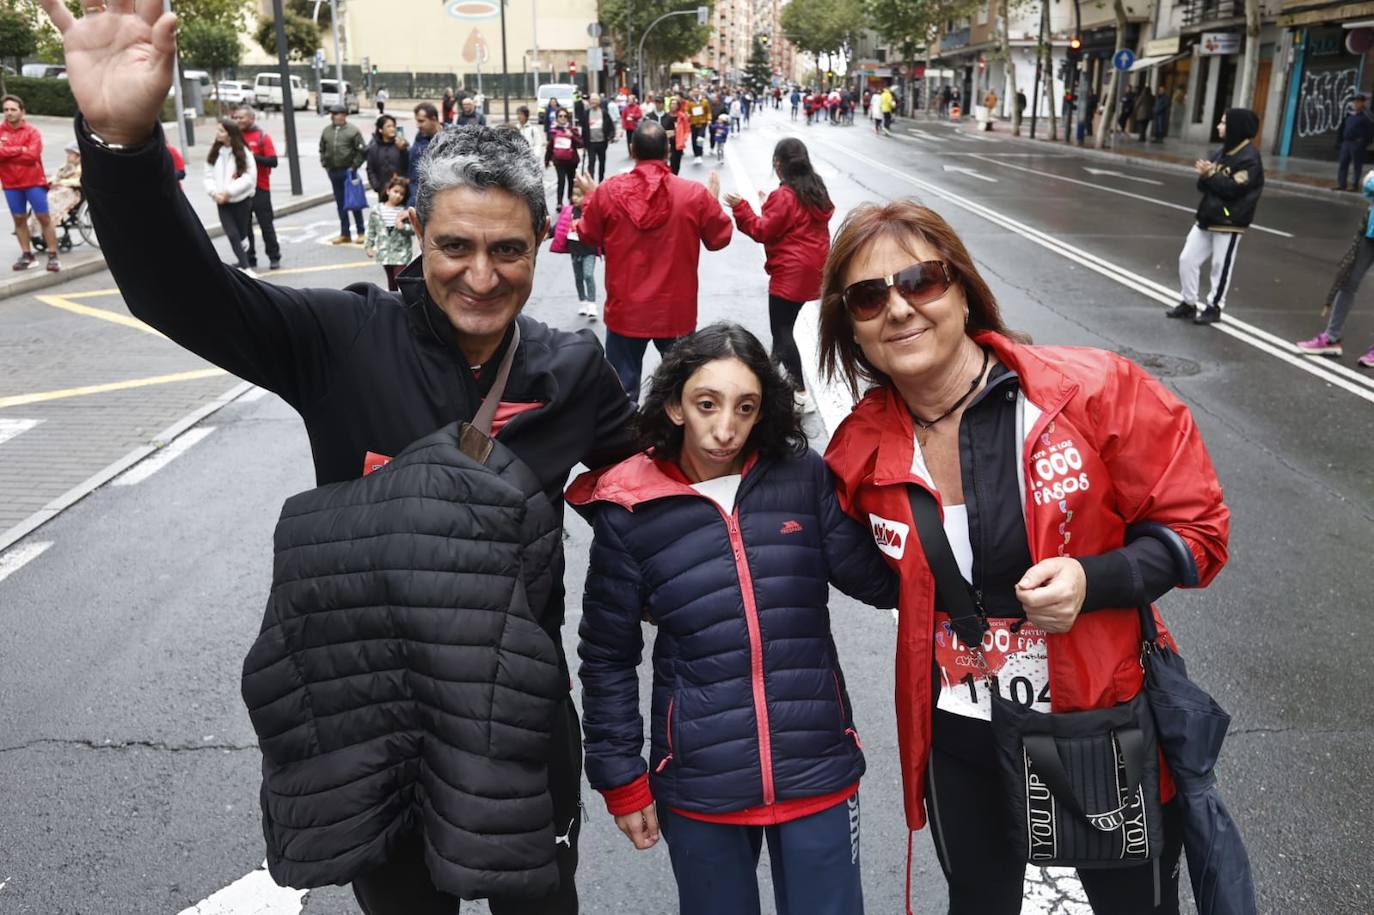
(952,593)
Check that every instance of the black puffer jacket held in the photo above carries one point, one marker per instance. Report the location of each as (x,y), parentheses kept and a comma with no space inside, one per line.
(403,675)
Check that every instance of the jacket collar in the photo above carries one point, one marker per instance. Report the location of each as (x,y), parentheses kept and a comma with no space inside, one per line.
(637,480)
(1043,385)
(427,319)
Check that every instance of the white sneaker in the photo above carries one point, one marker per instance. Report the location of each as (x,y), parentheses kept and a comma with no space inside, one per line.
(804,402)
(248,271)
(590,310)
(582,309)
(696,160)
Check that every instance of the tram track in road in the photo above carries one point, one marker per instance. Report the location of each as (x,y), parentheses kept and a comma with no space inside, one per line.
(1339,376)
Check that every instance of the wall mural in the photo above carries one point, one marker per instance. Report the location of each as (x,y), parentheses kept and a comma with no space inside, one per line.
(1322,99)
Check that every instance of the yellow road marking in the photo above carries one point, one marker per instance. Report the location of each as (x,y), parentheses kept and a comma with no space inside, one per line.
(59,301)
(18,400)
(267,275)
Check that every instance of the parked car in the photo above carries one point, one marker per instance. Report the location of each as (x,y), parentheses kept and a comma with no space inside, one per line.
(328,96)
(564,92)
(233,91)
(43,71)
(267,92)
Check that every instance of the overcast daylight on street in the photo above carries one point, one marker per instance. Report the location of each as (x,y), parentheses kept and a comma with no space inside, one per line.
(1171,187)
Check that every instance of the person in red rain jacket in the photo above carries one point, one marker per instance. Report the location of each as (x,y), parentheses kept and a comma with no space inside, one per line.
(265,158)
(795,232)
(1070,447)
(652,225)
(24,181)
(630,116)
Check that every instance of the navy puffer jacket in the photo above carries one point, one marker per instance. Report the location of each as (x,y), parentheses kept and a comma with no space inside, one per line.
(749,704)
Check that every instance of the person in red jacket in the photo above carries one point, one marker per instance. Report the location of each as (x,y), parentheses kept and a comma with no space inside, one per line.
(630,116)
(795,232)
(1071,446)
(651,225)
(265,158)
(25,183)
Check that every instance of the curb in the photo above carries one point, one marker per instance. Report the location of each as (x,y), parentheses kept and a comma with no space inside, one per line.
(96,264)
(1297,187)
(80,491)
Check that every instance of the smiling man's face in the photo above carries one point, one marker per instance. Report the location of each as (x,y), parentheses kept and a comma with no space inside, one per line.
(478,252)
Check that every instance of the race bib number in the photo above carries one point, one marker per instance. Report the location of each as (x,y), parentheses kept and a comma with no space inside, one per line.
(697,111)
(562,142)
(1018,664)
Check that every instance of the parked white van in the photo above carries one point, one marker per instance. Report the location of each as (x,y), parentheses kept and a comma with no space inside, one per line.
(328,96)
(267,92)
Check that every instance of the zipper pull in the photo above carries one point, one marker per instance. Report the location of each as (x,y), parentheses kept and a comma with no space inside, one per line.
(663,763)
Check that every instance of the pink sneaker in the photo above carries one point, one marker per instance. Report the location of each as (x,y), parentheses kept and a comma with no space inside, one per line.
(1320,345)
(1367,360)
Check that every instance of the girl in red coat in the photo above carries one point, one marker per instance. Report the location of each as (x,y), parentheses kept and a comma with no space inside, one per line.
(1039,458)
(795,233)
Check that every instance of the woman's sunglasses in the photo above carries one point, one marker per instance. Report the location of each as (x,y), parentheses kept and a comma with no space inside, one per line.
(918,284)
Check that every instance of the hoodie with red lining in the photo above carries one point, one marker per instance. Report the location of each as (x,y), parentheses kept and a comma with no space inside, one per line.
(751,722)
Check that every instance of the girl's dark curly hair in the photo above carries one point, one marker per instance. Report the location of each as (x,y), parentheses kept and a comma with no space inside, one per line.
(778,431)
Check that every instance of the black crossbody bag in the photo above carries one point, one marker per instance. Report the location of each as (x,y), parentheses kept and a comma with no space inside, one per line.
(1082,788)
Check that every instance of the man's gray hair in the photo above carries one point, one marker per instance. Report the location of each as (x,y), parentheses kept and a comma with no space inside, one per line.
(481,157)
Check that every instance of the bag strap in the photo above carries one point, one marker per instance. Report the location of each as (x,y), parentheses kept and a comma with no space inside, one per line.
(952,592)
(1043,753)
(475,436)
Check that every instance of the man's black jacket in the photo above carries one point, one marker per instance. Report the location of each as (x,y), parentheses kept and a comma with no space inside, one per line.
(367,370)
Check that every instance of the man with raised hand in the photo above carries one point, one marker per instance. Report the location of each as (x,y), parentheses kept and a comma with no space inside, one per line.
(368,371)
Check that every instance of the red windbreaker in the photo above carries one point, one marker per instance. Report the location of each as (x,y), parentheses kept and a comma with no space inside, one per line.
(795,239)
(630,116)
(21,156)
(260,144)
(1104,445)
(651,224)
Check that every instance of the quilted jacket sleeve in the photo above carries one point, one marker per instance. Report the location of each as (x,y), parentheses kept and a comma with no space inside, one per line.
(610,647)
(856,566)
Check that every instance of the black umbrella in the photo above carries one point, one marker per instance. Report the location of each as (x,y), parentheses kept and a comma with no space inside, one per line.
(1190,727)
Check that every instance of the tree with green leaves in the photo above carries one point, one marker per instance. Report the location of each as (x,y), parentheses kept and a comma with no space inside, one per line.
(758,74)
(302,35)
(673,39)
(18,38)
(232,13)
(823,28)
(213,46)
(912,25)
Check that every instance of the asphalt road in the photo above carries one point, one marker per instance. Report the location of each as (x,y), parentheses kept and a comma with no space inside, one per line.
(128,769)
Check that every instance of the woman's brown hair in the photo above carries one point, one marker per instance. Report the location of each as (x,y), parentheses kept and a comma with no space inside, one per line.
(236,145)
(904,221)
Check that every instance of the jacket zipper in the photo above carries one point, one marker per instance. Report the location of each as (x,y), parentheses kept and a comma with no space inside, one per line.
(1047,421)
(751,617)
(844,712)
(665,760)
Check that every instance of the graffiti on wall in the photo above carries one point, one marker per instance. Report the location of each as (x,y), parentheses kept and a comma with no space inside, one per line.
(1322,100)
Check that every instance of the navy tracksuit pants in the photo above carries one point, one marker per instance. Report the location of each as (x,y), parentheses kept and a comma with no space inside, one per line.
(815,863)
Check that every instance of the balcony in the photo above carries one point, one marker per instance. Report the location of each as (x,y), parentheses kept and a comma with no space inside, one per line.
(1199,12)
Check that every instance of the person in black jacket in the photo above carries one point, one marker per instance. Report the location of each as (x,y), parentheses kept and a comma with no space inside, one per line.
(1354,136)
(598,132)
(388,154)
(1231,182)
(367,370)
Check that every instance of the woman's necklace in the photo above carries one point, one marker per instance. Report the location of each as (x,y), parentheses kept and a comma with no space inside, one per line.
(924,425)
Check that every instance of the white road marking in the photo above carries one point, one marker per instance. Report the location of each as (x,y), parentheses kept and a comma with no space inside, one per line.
(9,428)
(163,456)
(1262,340)
(926,136)
(963,134)
(972,173)
(1118,191)
(256,393)
(13,560)
(1115,174)
(254,894)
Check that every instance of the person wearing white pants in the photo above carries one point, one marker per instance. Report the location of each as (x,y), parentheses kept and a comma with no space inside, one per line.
(1231,182)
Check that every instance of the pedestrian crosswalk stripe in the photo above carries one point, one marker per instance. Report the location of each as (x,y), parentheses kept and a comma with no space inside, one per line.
(9,428)
(254,894)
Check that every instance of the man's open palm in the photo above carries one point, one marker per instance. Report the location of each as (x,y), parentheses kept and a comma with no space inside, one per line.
(119,63)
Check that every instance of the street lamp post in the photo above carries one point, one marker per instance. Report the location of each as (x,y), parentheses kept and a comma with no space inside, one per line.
(640,54)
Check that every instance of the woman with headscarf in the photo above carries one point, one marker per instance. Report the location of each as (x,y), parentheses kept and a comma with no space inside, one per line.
(1231,182)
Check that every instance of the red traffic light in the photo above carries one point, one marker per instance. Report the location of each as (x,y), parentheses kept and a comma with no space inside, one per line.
(1076,43)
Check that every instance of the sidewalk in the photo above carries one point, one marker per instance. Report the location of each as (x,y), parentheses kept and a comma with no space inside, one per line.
(1311,176)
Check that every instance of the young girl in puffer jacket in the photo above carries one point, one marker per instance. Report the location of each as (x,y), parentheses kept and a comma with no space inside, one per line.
(725,533)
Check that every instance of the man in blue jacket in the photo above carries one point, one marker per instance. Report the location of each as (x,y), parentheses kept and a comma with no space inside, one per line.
(1357,130)
(426,127)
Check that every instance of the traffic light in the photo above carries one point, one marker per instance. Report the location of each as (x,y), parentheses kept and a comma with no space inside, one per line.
(763,40)
(1075,50)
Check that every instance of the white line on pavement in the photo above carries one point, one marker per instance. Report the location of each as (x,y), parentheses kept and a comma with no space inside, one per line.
(975,136)
(14,560)
(256,393)
(254,894)
(9,428)
(924,135)
(1117,190)
(972,173)
(1115,174)
(163,456)
(1262,340)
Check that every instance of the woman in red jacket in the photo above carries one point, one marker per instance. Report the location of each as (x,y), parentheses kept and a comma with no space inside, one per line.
(1039,458)
(795,232)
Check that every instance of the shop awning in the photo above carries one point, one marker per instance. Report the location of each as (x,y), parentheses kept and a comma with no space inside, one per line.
(1145,63)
